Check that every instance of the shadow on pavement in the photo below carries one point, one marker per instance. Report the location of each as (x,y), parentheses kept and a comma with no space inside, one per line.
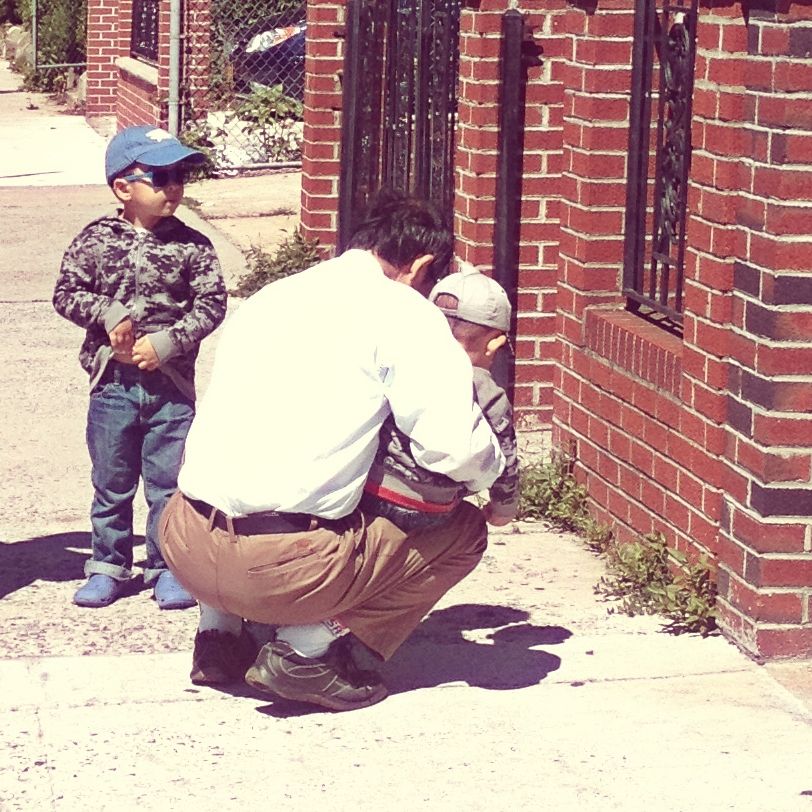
(57,557)
(437,653)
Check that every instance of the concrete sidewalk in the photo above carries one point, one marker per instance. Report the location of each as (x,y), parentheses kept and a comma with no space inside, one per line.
(518,692)
(40,145)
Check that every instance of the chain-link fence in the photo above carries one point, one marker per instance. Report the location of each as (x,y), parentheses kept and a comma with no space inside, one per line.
(242,81)
(51,51)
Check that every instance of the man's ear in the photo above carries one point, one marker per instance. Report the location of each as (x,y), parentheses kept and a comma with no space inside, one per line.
(415,276)
(495,343)
(121,189)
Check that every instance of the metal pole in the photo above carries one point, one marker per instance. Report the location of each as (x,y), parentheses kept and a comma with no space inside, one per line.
(34,34)
(173,105)
(508,180)
(349,109)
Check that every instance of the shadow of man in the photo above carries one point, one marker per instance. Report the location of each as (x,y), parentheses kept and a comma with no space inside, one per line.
(438,652)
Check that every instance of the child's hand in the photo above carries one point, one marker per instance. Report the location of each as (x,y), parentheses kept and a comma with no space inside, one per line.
(122,338)
(144,355)
(495,520)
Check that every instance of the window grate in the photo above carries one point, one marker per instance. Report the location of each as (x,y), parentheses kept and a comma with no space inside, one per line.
(665,40)
(144,44)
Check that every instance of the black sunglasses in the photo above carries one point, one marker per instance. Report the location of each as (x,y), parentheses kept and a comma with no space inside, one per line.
(158,178)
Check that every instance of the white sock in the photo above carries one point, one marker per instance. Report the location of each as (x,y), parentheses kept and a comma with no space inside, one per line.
(211,618)
(313,639)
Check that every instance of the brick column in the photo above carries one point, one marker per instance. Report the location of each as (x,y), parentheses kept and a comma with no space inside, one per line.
(596,77)
(765,567)
(476,164)
(196,60)
(103,47)
(322,121)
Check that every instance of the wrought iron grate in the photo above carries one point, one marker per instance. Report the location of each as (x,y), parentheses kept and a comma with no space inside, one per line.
(144,43)
(656,213)
(400,103)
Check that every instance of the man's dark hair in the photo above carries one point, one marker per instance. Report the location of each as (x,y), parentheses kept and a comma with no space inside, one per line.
(399,228)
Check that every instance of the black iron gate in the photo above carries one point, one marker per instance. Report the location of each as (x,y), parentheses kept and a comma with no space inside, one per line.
(399,103)
(665,41)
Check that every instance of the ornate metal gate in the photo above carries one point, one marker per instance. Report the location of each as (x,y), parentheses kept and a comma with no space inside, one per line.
(665,39)
(399,103)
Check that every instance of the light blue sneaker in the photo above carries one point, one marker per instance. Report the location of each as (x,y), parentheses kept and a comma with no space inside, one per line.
(169,594)
(100,590)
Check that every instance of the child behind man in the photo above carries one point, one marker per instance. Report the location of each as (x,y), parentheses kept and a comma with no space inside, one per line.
(478,312)
(147,289)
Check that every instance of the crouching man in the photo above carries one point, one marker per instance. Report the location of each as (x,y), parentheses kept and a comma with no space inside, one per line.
(266,526)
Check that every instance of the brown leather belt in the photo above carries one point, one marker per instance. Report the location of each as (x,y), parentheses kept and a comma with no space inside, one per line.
(268,522)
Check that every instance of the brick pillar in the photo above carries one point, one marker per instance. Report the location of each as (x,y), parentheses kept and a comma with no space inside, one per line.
(596,77)
(103,36)
(162,90)
(765,568)
(196,60)
(322,121)
(476,164)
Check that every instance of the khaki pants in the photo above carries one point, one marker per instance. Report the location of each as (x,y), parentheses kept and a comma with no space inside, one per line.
(368,574)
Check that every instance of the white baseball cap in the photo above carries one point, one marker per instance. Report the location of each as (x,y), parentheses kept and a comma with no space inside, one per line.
(479,299)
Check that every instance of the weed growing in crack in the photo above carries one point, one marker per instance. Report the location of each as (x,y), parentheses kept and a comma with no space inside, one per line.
(293,255)
(644,576)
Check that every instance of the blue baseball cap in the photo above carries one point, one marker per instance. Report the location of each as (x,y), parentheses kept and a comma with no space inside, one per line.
(146,145)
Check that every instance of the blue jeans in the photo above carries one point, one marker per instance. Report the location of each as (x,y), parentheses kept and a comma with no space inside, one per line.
(137,424)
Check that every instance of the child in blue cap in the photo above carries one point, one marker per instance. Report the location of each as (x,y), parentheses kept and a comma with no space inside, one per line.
(147,289)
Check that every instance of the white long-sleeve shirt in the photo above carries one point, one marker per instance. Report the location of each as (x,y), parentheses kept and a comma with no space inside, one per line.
(305,373)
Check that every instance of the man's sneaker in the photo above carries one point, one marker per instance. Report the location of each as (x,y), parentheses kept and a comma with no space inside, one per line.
(220,658)
(170,594)
(99,590)
(332,681)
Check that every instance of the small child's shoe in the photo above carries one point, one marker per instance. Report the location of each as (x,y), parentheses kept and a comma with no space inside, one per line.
(100,590)
(169,594)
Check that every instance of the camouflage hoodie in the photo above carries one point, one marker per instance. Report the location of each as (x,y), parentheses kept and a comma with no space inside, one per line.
(168,281)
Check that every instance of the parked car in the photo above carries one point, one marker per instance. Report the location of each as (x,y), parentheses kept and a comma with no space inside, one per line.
(271,55)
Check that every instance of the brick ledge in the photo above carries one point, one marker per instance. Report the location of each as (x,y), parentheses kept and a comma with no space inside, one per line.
(636,346)
(138,69)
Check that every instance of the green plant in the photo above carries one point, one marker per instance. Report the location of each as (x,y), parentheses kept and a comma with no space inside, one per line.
(269,117)
(644,576)
(548,490)
(9,13)
(198,137)
(293,255)
(647,577)
(61,34)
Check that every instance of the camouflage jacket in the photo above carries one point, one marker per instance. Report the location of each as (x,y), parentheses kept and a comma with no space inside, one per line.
(394,467)
(168,281)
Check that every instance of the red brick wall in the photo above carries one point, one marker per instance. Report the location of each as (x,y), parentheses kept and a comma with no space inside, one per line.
(103,48)
(476,169)
(112,89)
(137,102)
(765,78)
(477,155)
(708,438)
(196,59)
(322,121)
